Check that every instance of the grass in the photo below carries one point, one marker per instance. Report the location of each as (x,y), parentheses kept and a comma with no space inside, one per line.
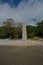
(36,38)
(31,46)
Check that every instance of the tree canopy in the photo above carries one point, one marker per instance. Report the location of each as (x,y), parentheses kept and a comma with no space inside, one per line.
(40,24)
(9,30)
(9,22)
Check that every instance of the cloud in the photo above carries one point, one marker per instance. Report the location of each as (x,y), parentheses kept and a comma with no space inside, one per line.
(28,12)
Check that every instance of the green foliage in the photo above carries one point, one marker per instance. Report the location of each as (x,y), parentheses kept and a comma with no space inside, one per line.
(31,31)
(8,30)
(35,38)
(40,24)
(12,31)
(31,46)
(39,31)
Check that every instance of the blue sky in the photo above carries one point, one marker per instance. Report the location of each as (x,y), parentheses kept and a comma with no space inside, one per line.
(27,11)
(11,2)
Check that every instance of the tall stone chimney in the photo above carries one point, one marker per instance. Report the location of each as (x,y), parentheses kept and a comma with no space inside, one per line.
(24,33)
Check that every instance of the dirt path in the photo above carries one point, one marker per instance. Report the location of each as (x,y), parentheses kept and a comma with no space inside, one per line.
(10,55)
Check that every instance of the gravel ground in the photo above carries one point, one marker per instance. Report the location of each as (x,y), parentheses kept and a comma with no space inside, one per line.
(10,55)
(18,52)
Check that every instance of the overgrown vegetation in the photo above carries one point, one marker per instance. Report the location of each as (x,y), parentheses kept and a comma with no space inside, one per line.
(10,30)
(35,31)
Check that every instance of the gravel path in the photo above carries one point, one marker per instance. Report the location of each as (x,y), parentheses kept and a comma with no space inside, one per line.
(10,55)
(20,42)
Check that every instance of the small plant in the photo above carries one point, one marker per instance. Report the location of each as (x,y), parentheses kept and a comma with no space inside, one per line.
(31,46)
(35,38)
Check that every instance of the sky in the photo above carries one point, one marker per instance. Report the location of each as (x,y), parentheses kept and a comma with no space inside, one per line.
(28,11)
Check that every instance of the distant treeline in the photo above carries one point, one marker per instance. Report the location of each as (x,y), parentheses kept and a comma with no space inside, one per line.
(37,30)
(11,31)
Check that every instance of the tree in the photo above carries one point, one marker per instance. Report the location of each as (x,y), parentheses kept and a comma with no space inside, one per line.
(31,31)
(40,24)
(8,26)
(9,23)
(10,30)
(39,31)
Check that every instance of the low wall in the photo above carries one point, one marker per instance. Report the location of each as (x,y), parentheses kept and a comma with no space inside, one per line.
(20,42)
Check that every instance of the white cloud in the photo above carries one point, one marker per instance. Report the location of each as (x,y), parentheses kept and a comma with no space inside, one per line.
(23,12)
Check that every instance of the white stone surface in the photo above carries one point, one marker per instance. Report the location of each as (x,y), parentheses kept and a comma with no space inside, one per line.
(19,42)
(24,33)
